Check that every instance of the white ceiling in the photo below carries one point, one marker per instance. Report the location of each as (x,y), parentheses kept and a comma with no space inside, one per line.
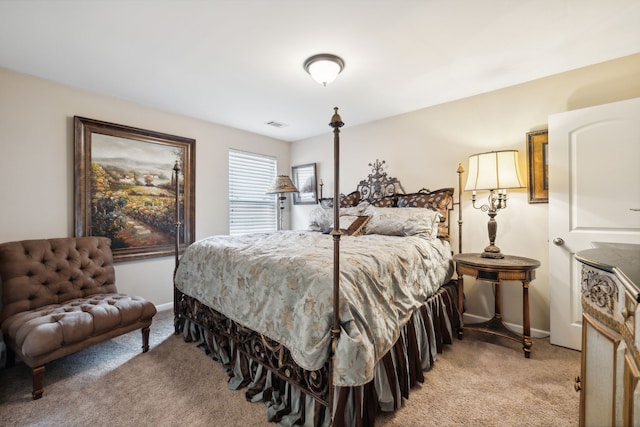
(239,62)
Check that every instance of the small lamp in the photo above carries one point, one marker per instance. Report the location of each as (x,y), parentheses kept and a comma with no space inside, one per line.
(324,67)
(281,185)
(494,171)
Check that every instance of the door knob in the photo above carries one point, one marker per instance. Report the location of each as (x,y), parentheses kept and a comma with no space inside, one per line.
(558,241)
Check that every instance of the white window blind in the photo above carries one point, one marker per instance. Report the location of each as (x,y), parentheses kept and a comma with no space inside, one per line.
(251,210)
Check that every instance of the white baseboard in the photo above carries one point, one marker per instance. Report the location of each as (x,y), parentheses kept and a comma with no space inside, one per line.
(535,333)
(165,306)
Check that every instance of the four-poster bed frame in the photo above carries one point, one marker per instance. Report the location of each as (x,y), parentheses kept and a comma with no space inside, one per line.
(276,357)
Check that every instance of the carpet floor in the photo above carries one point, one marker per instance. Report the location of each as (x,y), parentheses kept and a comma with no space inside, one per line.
(478,381)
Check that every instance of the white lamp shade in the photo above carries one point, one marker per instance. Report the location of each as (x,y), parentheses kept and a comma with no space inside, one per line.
(494,170)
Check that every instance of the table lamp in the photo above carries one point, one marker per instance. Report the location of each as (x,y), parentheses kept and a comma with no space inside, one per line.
(494,171)
(282,185)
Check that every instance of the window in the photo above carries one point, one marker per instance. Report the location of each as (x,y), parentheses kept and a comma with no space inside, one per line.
(251,210)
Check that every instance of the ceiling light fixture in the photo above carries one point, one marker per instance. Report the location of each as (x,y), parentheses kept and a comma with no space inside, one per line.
(324,67)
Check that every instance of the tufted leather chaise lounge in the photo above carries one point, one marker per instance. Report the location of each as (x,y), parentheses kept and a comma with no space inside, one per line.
(59,296)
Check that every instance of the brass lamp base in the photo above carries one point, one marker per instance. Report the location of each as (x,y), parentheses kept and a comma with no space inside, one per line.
(492,251)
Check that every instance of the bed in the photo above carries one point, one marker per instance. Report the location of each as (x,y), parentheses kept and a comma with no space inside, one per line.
(328,326)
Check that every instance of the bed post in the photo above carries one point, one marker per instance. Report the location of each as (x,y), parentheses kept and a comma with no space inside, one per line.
(460,171)
(176,177)
(458,281)
(336,124)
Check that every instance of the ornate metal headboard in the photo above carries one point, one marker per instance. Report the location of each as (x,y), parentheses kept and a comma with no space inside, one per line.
(378,184)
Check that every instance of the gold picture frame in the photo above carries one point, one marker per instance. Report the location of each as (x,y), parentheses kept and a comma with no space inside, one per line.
(538,162)
(125,188)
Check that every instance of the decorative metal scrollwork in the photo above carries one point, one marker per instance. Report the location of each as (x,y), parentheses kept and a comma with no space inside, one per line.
(378,184)
(601,290)
(220,331)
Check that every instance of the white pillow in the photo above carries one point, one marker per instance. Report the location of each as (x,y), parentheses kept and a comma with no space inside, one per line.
(355,210)
(402,221)
(321,219)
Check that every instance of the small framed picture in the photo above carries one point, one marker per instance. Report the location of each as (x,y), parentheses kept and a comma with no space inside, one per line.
(304,178)
(538,163)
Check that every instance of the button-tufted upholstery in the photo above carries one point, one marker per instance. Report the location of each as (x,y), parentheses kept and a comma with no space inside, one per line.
(59,296)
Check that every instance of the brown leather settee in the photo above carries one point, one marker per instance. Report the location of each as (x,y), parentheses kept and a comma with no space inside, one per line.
(59,296)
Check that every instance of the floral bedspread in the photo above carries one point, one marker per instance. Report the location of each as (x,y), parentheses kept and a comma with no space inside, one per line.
(281,285)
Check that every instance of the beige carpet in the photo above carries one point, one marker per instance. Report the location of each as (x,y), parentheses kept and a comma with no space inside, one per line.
(479,381)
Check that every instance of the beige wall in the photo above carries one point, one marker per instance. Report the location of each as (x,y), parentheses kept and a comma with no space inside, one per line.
(423,149)
(36,162)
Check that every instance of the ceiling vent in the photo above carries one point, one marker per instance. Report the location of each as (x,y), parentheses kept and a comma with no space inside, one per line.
(276,124)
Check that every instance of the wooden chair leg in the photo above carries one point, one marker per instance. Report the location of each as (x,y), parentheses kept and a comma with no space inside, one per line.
(145,339)
(38,381)
(11,358)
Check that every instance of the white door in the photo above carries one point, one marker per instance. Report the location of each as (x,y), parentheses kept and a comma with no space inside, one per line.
(594,196)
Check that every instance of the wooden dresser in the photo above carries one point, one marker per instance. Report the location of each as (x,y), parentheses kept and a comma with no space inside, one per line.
(610,288)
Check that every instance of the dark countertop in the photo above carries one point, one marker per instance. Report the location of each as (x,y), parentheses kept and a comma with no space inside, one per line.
(621,259)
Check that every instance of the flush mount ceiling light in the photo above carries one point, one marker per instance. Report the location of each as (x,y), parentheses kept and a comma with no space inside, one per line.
(324,67)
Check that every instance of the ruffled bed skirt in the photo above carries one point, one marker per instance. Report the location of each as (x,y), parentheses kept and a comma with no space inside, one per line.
(294,396)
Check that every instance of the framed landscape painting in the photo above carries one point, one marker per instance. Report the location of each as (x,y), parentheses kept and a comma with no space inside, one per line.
(125,188)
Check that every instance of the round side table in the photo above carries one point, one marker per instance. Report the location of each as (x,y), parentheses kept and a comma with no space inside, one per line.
(509,268)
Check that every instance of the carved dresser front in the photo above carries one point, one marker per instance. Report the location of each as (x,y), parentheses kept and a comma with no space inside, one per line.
(610,275)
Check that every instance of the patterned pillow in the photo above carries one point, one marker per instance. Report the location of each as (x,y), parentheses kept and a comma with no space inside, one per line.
(352,199)
(437,200)
(385,202)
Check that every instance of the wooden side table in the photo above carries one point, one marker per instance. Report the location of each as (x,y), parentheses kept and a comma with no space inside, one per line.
(509,268)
